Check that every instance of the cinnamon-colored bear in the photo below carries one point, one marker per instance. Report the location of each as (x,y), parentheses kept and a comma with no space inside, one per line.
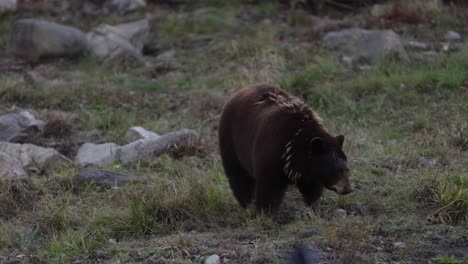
(269,139)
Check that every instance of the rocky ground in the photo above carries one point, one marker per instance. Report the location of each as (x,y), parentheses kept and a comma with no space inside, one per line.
(108,129)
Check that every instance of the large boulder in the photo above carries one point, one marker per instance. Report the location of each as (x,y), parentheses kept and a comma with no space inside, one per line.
(11,168)
(34,158)
(116,43)
(16,127)
(145,149)
(33,39)
(368,45)
(91,154)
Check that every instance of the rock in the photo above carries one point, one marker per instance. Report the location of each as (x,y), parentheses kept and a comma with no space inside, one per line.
(341,212)
(34,158)
(33,39)
(166,56)
(417,45)
(7,5)
(400,244)
(11,168)
(213,259)
(144,149)
(96,154)
(304,255)
(347,60)
(369,45)
(127,5)
(16,127)
(137,132)
(114,43)
(103,178)
(452,36)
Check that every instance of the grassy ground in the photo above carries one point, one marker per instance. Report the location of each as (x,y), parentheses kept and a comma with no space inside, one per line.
(406,128)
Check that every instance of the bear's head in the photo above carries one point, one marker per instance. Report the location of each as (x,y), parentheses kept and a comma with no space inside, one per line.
(319,160)
(329,163)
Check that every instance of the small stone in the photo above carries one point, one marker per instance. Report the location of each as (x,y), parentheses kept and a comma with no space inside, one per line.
(347,59)
(213,259)
(341,212)
(452,36)
(417,45)
(446,47)
(399,244)
(166,56)
(137,132)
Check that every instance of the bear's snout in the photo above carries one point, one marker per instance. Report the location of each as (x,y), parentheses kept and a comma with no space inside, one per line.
(343,186)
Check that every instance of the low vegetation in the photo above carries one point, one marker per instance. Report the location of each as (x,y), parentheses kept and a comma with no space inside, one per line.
(406,128)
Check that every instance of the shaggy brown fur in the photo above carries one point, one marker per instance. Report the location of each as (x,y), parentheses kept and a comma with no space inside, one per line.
(269,139)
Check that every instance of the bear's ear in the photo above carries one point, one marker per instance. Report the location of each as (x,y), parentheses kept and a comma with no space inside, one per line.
(318,145)
(340,139)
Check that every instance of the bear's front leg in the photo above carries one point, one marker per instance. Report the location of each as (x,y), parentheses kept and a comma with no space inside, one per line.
(311,194)
(270,189)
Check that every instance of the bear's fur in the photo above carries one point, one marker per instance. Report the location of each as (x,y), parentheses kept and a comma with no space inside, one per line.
(269,139)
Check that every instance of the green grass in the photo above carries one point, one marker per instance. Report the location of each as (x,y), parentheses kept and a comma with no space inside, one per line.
(405,125)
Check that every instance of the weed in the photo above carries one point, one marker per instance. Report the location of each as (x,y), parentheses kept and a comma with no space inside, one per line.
(448,193)
(448,259)
(70,245)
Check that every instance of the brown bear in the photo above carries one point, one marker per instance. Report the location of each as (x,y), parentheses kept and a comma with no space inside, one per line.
(269,139)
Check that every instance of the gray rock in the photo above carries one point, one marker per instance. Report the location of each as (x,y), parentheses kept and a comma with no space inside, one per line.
(11,168)
(137,132)
(417,45)
(399,244)
(452,36)
(16,127)
(96,154)
(104,178)
(166,56)
(369,45)
(145,149)
(341,212)
(127,5)
(34,158)
(7,5)
(33,39)
(347,60)
(213,259)
(114,43)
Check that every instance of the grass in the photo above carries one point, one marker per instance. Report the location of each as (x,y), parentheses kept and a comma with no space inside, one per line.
(404,123)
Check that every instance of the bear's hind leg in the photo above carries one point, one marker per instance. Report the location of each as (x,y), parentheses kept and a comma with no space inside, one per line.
(242,184)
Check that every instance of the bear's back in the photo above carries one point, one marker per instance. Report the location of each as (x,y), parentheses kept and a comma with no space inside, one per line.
(260,115)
